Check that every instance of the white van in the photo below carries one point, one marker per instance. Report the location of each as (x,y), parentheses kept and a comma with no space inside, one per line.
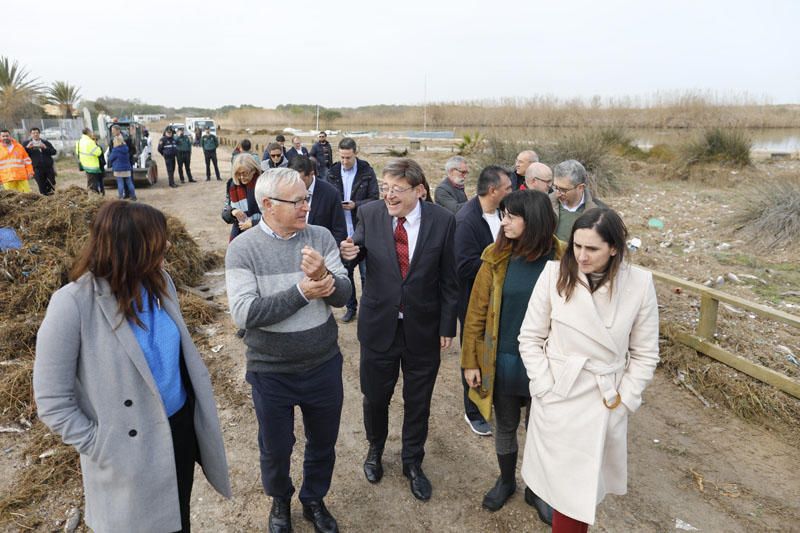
(192,123)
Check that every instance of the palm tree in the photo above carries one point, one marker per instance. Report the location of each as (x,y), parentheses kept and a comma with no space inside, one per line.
(17,90)
(64,95)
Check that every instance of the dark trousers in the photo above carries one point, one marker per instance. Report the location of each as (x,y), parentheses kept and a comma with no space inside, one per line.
(184,442)
(169,160)
(379,372)
(470,409)
(211,155)
(94,182)
(352,303)
(319,394)
(45,178)
(507,415)
(185,161)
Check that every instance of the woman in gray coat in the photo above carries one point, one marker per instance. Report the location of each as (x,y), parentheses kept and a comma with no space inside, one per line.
(118,377)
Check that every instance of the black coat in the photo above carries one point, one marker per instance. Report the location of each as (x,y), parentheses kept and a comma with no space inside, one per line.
(323,155)
(429,293)
(365,184)
(326,210)
(41,157)
(291,153)
(473,235)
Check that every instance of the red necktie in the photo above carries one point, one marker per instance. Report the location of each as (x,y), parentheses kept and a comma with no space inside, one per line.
(401,246)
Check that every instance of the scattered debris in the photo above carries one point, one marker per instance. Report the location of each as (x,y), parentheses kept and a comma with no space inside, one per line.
(666,244)
(754,278)
(11,429)
(791,293)
(699,480)
(732,309)
(724,247)
(634,244)
(49,453)
(217,348)
(733,277)
(73,520)
(681,380)
(655,223)
(685,526)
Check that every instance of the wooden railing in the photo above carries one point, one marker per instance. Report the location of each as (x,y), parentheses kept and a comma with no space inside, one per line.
(703,338)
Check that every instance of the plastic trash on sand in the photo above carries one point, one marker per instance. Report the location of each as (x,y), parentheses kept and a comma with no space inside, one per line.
(9,240)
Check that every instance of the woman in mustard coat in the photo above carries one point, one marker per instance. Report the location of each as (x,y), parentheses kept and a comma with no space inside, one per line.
(490,354)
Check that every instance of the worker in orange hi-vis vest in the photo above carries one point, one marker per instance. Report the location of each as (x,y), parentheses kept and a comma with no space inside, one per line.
(15,164)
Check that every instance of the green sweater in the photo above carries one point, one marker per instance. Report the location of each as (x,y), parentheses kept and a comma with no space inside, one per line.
(566,219)
(520,279)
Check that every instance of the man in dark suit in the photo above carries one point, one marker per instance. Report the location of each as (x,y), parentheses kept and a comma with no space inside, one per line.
(410,302)
(297,149)
(357,186)
(325,208)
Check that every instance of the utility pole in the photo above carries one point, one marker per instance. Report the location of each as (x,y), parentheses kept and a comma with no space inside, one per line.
(425,104)
(317,117)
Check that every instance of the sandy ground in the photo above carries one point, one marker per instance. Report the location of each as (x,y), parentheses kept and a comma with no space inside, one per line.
(687,464)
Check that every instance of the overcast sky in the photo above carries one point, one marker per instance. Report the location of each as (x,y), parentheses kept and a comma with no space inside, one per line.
(197,53)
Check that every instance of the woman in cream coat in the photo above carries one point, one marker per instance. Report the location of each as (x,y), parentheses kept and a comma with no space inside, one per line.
(589,342)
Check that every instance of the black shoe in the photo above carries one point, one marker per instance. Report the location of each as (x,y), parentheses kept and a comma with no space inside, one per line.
(182,181)
(280,516)
(420,485)
(323,520)
(498,495)
(173,185)
(192,180)
(219,179)
(208,179)
(373,468)
(349,316)
(544,511)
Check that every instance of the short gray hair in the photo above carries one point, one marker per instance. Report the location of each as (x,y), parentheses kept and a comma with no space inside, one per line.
(571,169)
(274,179)
(533,157)
(454,162)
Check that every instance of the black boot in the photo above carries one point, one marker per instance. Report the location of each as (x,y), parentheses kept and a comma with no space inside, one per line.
(506,483)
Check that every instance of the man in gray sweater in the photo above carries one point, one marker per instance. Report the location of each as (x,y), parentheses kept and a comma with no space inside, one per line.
(282,278)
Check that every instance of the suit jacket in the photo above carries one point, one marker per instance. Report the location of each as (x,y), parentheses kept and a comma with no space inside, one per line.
(365,184)
(326,210)
(291,153)
(472,237)
(93,387)
(578,353)
(428,295)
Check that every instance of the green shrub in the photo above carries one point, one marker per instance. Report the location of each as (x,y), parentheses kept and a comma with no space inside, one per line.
(471,143)
(718,145)
(661,153)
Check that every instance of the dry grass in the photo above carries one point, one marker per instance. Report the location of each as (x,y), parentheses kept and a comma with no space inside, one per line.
(746,397)
(662,110)
(718,145)
(769,214)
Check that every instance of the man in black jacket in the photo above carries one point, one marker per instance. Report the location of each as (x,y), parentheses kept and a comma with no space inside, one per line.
(325,208)
(322,151)
(357,185)
(477,226)
(41,153)
(297,149)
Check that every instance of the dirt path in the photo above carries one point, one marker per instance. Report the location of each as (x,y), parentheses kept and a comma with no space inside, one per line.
(698,465)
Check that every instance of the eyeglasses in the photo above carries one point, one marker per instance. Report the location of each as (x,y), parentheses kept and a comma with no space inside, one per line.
(276,156)
(546,182)
(242,174)
(394,189)
(462,172)
(562,190)
(296,203)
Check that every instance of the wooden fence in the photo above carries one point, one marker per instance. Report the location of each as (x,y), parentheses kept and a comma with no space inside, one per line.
(703,338)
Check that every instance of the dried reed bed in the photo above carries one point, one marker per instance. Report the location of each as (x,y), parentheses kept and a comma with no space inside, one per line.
(53,230)
(769,214)
(718,383)
(662,110)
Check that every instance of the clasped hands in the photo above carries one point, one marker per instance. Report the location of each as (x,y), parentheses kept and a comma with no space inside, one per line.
(318,281)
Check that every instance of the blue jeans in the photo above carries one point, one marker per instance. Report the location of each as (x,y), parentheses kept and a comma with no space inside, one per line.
(125,188)
(319,394)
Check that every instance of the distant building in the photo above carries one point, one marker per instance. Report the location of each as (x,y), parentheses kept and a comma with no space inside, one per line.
(148,118)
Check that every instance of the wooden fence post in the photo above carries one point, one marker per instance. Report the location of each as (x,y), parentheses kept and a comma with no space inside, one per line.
(707,325)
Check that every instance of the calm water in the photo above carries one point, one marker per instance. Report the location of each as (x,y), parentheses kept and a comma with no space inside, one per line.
(771,140)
